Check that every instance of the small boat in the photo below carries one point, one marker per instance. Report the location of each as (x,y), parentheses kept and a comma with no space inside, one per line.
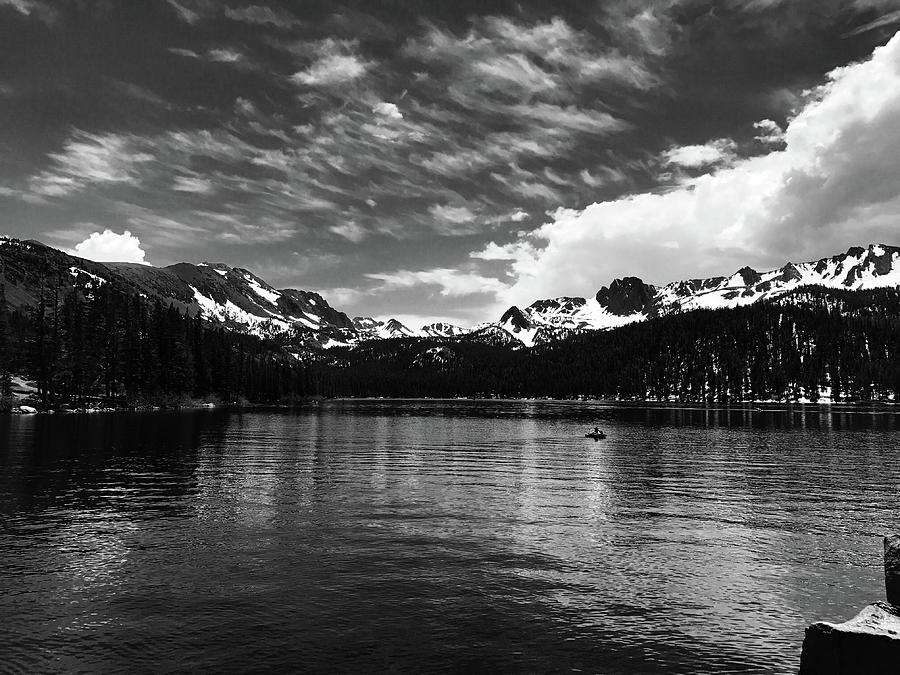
(596,435)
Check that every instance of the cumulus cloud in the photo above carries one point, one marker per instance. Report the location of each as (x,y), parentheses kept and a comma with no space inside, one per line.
(768,132)
(832,185)
(108,246)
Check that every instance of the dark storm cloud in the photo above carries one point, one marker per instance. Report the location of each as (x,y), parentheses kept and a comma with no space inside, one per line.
(388,138)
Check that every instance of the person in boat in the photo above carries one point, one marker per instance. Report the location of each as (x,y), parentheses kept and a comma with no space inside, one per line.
(597,430)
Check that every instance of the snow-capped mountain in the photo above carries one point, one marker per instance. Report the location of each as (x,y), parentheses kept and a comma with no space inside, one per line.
(373,329)
(232,296)
(630,299)
(241,301)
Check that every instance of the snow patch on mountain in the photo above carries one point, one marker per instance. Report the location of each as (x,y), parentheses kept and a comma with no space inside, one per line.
(265,292)
(440,329)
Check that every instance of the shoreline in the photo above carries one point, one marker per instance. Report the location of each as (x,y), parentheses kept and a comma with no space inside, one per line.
(746,406)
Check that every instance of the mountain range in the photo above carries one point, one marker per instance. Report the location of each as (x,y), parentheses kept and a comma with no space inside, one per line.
(241,301)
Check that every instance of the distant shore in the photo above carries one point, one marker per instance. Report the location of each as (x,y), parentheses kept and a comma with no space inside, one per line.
(750,406)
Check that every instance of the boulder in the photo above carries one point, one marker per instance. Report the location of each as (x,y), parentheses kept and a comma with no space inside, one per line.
(892,569)
(867,643)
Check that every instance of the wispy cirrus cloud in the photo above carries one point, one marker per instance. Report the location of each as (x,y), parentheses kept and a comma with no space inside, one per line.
(542,60)
(89,159)
(192,11)
(36,9)
(263,15)
(220,55)
(447,281)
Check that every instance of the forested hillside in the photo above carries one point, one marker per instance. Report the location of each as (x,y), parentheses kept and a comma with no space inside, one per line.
(106,347)
(812,344)
(101,345)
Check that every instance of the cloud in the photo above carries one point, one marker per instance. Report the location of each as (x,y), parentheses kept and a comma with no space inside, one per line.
(332,69)
(452,214)
(90,159)
(570,117)
(108,246)
(768,132)
(193,12)
(350,231)
(721,151)
(224,55)
(38,9)
(502,55)
(607,176)
(186,11)
(451,282)
(389,110)
(516,216)
(262,15)
(888,19)
(832,185)
(192,184)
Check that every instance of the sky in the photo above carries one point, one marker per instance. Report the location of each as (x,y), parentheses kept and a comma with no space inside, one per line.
(445,160)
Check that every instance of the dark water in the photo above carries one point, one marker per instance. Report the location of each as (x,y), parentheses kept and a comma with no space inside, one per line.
(438,537)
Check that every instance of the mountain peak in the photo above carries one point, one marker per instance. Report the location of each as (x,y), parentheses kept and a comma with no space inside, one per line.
(516,318)
(626,296)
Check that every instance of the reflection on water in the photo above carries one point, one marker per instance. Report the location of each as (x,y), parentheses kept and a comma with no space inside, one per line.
(439,536)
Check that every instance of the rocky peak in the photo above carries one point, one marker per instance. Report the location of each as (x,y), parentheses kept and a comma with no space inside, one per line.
(515,318)
(790,273)
(395,326)
(749,275)
(626,296)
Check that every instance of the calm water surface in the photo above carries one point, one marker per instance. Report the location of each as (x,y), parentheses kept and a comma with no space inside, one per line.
(438,537)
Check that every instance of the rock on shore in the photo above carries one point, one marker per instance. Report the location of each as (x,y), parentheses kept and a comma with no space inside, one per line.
(867,643)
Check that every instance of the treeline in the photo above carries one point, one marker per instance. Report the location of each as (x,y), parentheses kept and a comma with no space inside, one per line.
(810,344)
(104,346)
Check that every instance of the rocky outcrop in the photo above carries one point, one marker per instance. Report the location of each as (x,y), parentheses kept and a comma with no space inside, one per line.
(867,643)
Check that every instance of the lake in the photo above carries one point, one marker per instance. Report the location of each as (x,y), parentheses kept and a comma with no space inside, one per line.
(439,536)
